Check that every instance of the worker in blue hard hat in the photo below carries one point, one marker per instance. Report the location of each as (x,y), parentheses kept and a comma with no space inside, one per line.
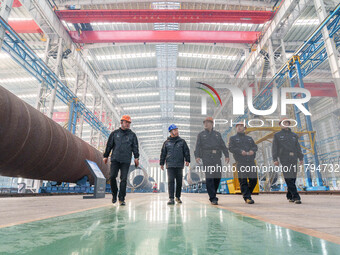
(175,152)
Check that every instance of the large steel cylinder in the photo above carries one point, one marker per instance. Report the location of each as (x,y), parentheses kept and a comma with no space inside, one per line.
(138,178)
(34,146)
(192,178)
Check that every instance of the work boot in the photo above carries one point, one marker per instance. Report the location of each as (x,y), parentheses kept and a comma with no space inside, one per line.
(114,200)
(249,201)
(122,203)
(178,200)
(297,202)
(171,201)
(214,202)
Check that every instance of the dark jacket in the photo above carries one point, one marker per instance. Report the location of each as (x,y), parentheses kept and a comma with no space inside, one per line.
(122,143)
(174,151)
(286,146)
(210,145)
(241,142)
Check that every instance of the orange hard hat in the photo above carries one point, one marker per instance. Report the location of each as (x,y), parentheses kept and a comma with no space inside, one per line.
(209,119)
(126,118)
(241,123)
(283,119)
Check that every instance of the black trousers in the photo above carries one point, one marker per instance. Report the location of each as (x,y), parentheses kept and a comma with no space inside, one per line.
(212,187)
(124,170)
(212,179)
(290,179)
(247,188)
(175,173)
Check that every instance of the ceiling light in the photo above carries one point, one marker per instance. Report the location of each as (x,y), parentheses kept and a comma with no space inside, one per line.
(141,107)
(146,117)
(138,94)
(183,78)
(308,22)
(148,78)
(14,80)
(146,125)
(126,56)
(28,96)
(207,56)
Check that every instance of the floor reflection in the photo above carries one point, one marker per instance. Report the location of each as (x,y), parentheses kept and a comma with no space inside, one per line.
(153,227)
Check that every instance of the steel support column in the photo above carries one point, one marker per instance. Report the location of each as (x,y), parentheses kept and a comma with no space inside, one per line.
(42,85)
(101,119)
(81,123)
(56,71)
(5,11)
(271,58)
(332,52)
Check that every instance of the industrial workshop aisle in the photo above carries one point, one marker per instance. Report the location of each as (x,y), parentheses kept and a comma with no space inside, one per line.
(147,225)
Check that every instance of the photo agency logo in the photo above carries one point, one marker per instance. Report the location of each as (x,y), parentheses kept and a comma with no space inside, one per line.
(245,101)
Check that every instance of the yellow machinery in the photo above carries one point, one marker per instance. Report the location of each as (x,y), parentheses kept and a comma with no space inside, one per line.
(234,184)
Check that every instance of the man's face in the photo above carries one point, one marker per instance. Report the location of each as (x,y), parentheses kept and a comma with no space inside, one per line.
(240,128)
(125,124)
(174,132)
(208,125)
(285,124)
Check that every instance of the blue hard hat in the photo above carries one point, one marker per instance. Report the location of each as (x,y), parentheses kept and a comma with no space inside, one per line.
(171,127)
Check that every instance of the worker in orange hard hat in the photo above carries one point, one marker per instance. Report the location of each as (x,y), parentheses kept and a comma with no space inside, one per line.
(286,148)
(209,119)
(209,149)
(244,150)
(127,118)
(123,143)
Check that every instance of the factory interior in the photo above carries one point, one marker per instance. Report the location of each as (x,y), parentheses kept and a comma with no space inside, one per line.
(79,76)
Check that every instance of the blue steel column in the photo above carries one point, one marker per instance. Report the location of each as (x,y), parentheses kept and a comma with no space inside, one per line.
(70,117)
(309,127)
(298,120)
(75,117)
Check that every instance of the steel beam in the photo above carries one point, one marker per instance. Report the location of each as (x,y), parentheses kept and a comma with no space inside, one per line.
(227,45)
(25,26)
(252,3)
(16,3)
(156,69)
(165,16)
(165,36)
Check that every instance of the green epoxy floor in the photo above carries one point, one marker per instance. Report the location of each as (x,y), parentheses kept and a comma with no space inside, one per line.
(152,227)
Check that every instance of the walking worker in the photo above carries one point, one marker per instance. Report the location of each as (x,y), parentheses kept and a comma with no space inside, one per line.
(244,150)
(209,149)
(123,143)
(175,152)
(287,149)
